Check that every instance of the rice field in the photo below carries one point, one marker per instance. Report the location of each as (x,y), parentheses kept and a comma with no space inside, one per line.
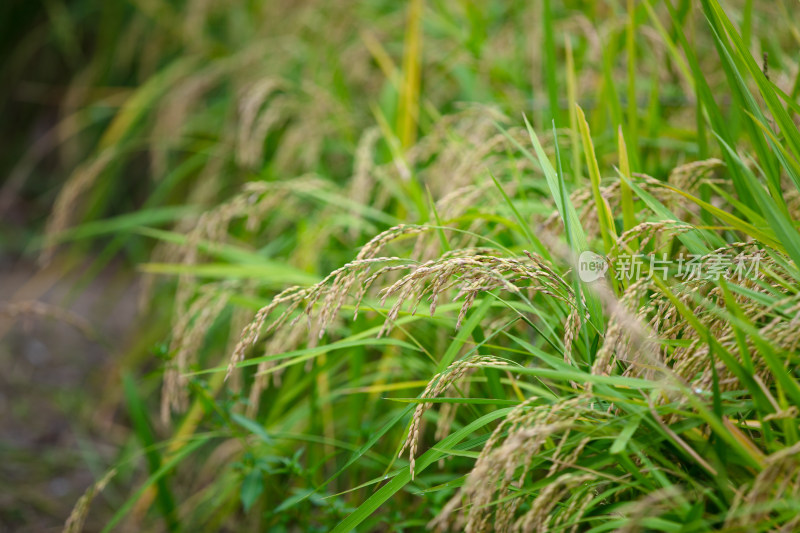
(397,266)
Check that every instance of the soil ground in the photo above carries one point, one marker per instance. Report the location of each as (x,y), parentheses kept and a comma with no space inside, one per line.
(56,436)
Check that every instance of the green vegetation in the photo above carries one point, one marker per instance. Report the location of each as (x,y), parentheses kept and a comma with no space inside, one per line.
(360,228)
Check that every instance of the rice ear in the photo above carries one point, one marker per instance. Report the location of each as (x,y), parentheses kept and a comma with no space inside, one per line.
(77,517)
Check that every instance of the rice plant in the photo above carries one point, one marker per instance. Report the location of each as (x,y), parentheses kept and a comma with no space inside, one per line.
(503,267)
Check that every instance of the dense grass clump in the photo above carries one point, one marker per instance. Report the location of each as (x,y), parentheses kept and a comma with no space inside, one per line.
(516,266)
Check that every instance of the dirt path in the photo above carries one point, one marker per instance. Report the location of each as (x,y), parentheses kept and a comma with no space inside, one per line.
(58,431)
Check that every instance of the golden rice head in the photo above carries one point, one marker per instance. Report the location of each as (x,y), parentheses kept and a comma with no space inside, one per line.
(504,464)
(439,384)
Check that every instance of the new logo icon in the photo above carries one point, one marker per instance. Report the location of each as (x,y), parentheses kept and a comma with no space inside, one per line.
(591,266)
